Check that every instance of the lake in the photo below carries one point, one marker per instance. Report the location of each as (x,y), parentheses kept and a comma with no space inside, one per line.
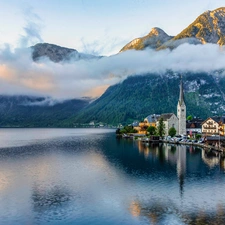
(87,176)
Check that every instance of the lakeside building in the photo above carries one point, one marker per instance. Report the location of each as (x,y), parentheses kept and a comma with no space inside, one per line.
(148,121)
(213,126)
(194,126)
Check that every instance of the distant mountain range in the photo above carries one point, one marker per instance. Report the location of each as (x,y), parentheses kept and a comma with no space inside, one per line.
(209,27)
(29,111)
(137,96)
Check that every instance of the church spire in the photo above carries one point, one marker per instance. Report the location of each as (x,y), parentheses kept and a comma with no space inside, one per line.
(181,111)
(181,98)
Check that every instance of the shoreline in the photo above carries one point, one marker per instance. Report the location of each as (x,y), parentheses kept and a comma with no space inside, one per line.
(201,145)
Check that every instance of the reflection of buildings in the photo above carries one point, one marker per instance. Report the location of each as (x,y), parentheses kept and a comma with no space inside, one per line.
(148,148)
(177,155)
(210,161)
(222,163)
(157,213)
(135,208)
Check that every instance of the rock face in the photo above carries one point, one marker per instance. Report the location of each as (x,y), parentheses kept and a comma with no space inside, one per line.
(209,27)
(153,40)
(57,53)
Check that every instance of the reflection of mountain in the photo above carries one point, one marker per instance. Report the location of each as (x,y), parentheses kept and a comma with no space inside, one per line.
(44,199)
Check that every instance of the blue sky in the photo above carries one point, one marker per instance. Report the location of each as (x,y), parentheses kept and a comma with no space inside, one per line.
(96,26)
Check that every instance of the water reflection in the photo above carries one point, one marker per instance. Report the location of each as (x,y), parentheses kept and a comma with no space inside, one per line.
(43,199)
(177,154)
(98,179)
(189,167)
(163,212)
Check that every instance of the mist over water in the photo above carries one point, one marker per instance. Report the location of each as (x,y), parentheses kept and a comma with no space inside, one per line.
(87,176)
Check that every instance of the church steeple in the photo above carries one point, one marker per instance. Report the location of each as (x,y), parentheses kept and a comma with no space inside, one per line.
(181,111)
(181,98)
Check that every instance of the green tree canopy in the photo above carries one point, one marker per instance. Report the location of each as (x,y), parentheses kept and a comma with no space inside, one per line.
(151,130)
(128,129)
(172,132)
(161,128)
(190,117)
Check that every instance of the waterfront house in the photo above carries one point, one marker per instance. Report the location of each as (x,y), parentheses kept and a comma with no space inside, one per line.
(194,126)
(151,120)
(148,121)
(213,126)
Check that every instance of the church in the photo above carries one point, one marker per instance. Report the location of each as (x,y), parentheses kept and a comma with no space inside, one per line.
(179,121)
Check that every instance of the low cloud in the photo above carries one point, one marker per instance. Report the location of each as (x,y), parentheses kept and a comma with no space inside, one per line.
(19,75)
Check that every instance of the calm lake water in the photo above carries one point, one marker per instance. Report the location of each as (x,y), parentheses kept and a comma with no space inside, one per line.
(87,176)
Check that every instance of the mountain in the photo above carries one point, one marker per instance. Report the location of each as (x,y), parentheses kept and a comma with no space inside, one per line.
(57,53)
(138,95)
(141,95)
(209,27)
(35,111)
(153,40)
(28,111)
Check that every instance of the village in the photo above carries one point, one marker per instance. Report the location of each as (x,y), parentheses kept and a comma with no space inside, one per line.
(180,129)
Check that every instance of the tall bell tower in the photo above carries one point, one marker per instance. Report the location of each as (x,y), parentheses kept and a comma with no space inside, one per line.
(181,111)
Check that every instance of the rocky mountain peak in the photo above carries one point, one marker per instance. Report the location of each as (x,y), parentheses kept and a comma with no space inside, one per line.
(57,53)
(53,52)
(209,27)
(153,40)
(156,31)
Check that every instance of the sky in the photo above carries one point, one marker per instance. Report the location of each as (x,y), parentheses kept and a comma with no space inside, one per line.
(99,27)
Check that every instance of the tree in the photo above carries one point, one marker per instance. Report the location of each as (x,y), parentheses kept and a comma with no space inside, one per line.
(198,136)
(151,130)
(161,127)
(128,129)
(172,132)
(190,117)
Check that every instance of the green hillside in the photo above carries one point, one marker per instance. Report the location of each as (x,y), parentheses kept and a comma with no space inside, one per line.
(139,96)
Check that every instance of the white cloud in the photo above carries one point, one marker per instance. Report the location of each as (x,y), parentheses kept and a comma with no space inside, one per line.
(76,79)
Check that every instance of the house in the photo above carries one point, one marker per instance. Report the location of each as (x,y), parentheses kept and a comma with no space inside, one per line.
(194,126)
(213,126)
(169,120)
(151,120)
(148,121)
